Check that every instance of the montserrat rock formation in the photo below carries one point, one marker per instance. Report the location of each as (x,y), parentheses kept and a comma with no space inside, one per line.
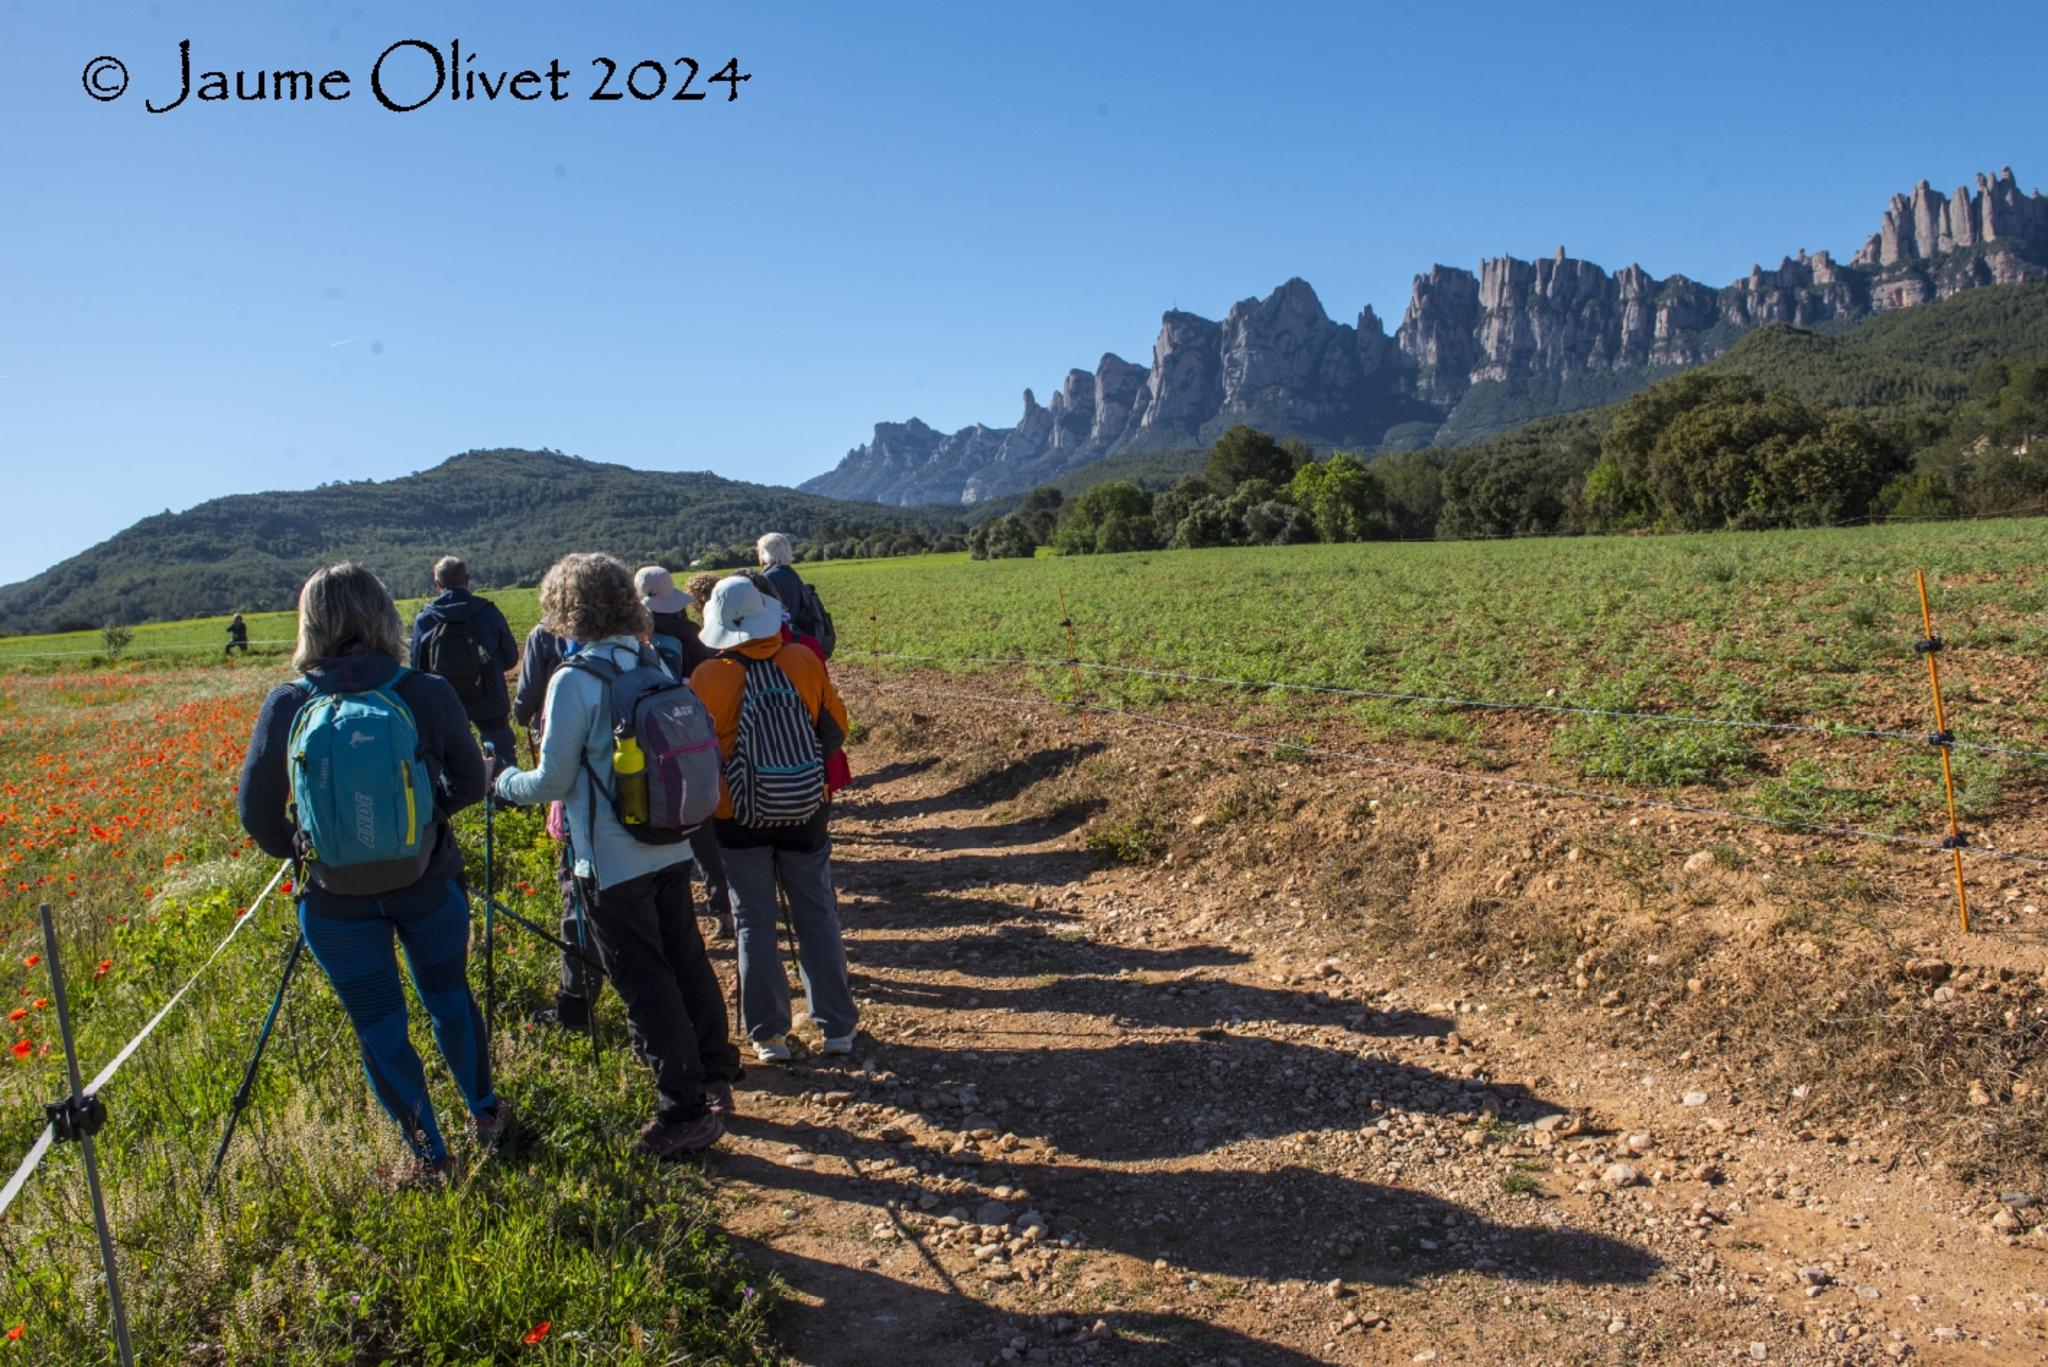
(1549,335)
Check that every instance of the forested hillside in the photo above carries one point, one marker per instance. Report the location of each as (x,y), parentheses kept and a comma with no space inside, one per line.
(509,513)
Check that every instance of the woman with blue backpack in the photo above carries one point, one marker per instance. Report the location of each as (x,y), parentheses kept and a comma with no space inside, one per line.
(353,771)
(630,754)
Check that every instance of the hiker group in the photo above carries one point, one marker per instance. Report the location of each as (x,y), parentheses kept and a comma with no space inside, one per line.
(659,743)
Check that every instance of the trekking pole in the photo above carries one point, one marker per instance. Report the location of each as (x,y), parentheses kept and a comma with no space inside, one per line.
(583,948)
(1930,646)
(490,895)
(79,1117)
(243,1092)
(516,919)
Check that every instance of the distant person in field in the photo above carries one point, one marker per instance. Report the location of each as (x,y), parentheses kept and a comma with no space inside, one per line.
(807,614)
(238,636)
(579,985)
(778,718)
(390,741)
(636,894)
(466,640)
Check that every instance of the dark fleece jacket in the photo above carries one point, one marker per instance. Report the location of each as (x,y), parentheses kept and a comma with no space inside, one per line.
(453,761)
(487,624)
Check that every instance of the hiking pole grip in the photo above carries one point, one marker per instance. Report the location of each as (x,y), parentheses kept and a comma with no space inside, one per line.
(490,892)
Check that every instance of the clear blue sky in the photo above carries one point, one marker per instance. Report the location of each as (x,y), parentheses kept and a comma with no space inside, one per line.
(912,209)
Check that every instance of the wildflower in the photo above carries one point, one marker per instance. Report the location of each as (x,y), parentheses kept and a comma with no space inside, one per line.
(42,1002)
(23,1048)
(240,914)
(17,1013)
(31,961)
(538,1332)
(285,887)
(16,1332)
(101,971)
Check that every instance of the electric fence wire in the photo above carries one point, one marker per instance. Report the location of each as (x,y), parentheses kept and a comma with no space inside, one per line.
(1466,776)
(1477,704)
(42,1145)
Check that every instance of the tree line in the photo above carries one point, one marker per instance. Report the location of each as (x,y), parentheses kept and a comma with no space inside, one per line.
(1703,451)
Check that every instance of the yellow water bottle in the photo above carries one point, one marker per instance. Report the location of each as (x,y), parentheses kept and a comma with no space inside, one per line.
(629,774)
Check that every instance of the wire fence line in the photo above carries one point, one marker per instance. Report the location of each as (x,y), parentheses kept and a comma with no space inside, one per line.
(128,652)
(1466,775)
(42,1145)
(1476,704)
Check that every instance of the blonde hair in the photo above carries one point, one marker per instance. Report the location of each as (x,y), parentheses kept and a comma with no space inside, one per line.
(346,610)
(699,588)
(774,549)
(589,596)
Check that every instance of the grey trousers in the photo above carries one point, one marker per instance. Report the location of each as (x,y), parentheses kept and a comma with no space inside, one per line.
(821,957)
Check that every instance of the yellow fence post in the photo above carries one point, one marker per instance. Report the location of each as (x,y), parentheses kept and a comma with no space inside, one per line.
(1930,646)
(1074,661)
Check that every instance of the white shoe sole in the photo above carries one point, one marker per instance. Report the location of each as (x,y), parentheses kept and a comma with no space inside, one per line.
(839,1046)
(772,1053)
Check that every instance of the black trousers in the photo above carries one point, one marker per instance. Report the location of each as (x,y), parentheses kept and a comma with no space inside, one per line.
(647,936)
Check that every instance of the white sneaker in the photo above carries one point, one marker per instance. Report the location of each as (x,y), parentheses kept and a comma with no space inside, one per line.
(842,1045)
(773,1050)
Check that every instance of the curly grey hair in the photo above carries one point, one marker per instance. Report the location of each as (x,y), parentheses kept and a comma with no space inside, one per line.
(589,596)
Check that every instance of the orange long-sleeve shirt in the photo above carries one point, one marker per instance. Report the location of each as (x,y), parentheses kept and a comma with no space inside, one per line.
(722,683)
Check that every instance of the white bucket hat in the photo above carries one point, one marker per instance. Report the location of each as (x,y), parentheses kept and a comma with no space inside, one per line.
(737,614)
(658,590)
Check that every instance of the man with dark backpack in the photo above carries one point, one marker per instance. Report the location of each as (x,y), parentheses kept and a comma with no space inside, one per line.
(465,640)
(807,615)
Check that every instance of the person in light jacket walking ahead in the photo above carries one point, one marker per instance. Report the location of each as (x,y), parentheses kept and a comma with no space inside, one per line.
(637,895)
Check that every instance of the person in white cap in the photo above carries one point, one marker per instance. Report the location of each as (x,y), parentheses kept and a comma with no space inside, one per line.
(778,718)
(675,640)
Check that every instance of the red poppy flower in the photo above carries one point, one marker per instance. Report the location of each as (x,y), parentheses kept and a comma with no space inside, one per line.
(16,1331)
(285,887)
(23,1048)
(31,961)
(101,971)
(538,1332)
(17,1013)
(42,1002)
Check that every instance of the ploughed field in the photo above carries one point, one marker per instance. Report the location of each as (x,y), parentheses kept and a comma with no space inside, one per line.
(116,806)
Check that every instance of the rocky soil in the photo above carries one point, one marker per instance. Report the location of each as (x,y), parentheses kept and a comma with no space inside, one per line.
(1202,1108)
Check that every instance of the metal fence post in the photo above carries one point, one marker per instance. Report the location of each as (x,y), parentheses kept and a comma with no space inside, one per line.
(78,1117)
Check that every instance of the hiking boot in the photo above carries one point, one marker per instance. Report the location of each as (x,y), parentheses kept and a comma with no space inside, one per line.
(489,1131)
(568,1013)
(665,1139)
(772,1050)
(415,1173)
(718,1099)
(842,1045)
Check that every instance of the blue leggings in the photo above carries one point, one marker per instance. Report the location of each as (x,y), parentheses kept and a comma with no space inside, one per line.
(432,923)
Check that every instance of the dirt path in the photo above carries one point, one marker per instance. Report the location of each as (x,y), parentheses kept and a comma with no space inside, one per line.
(1087,1124)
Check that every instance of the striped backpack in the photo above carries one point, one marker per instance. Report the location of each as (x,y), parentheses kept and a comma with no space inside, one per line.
(776,772)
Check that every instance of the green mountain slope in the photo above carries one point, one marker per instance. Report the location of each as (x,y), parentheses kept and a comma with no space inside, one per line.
(509,513)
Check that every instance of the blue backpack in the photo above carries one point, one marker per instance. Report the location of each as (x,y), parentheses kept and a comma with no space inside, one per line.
(361,795)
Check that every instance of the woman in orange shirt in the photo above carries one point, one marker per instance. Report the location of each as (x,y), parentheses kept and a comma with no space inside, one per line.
(778,720)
